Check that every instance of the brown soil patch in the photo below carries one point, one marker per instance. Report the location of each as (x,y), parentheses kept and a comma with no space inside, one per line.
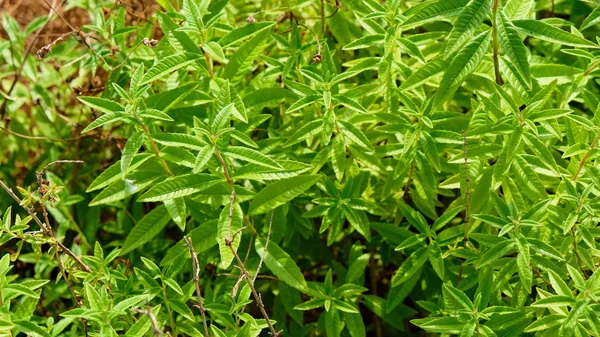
(24,11)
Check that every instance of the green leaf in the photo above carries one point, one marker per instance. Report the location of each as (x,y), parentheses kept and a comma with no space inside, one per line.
(101,104)
(524,263)
(467,22)
(410,266)
(513,45)
(177,210)
(425,73)
(202,158)
(168,65)
(556,301)
(230,221)
(281,264)
(109,117)
(129,150)
(455,299)
(251,156)
(192,14)
(355,135)
(462,66)
(280,192)
(178,140)
(178,187)
(432,11)
(305,132)
(31,328)
(592,19)
(436,259)
(499,250)
(243,58)
(446,325)
(146,229)
(358,220)
(268,97)
(508,154)
(243,32)
(546,32)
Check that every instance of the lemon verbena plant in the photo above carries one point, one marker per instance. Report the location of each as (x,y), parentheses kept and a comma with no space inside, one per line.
(301,168)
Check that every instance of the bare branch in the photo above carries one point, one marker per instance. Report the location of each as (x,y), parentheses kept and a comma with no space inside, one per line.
(196,270)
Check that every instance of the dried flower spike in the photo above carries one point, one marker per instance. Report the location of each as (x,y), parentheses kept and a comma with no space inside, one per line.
(43,52)
(149,42)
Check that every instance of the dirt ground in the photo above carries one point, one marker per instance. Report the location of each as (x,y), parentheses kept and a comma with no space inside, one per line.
(24,11)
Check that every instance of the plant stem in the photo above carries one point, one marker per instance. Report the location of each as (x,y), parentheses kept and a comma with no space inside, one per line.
(171,319)
(155,148)
(467,203)
(27,51)
(229,242)
(585,157)
(495,43)
(196,270)
(592,68)
(32,213)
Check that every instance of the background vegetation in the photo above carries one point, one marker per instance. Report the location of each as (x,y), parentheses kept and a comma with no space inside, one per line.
(299,168)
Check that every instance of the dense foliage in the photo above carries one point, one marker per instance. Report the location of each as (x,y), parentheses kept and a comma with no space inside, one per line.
(302,168)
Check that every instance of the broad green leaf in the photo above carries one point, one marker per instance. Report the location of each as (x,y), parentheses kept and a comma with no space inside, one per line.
(251,156)
(466,23)
(178,187)
(446,325)
(410,266)
(109,117)
(461,66)
(425,73)
(281,264)
(496,252)
(513,45)
(230,221)
(168,65)
(146,229)
(508,154)
(355,135)
(432,11)
(243,58)
(280,192)
(31,328)
(544,31)
(101,104)
(244,31)
(592,19)
(129,150)
(178,140)
(177,210)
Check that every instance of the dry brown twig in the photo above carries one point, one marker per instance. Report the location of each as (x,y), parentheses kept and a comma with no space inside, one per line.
(27,51)
(155,328)
(229,242)
(196,270)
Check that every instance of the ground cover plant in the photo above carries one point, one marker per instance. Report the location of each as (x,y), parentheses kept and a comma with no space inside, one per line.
(300,168)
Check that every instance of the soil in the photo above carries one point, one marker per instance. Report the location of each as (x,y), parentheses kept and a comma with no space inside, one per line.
(24,11)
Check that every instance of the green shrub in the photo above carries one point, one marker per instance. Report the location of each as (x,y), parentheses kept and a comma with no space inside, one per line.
(302,168)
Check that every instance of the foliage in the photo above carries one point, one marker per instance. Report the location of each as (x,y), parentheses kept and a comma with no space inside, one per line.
(303,168)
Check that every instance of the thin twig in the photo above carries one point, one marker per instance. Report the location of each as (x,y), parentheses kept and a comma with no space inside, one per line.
(27,51)
(585,157)
(467,202)
(495,43)
(32,213)
(196,269)
(155,328)
(262,258)
(229,243)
